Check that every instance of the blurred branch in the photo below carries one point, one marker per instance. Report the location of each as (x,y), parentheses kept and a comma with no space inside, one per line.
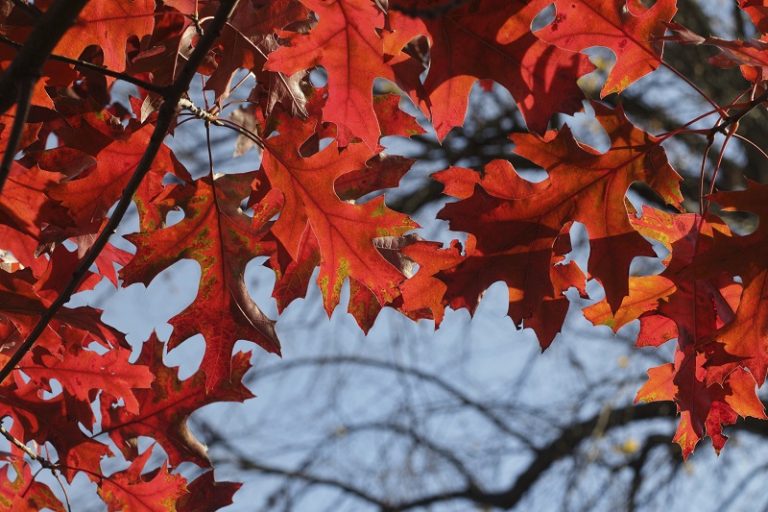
(361,361)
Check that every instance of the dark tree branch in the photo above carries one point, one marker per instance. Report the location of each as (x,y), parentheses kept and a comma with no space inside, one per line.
(165,119)
(30,9)
(267,469)
(44,37)
(17,129)
(545,457)
(638,464)
(732,119)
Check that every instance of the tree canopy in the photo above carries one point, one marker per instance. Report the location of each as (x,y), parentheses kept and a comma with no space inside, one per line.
(316,91)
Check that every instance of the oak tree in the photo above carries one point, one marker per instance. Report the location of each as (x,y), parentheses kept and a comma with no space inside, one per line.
(331,78)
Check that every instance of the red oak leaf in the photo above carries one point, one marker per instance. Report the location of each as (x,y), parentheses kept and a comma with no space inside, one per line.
(746,336)
(21,306)
(108,25)
(24,205)
(424,291)
(131,490)
(23,493)
(697,305)
(379,172)
(710,386)
(392,120)
(632,32)
(89,196)
(82,373)
(758,12)
(165,407)
(644,294)
(205,494)
(590,187)
(52,420)
(221,238)
(248,38)
(524,257)
(345,233)
(17,27)
(293,276)
(541,77)
(346,43)
(704,408)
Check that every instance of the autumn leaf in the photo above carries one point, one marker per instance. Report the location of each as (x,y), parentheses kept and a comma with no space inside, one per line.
(523,258)
(344,232)
(631,31)
(23,493)
(645,292)
(32,421)
(156,491)
(538,75)
(587,186)
(346,44)
(221,238)
(206,494)
(108,25)
(83,373)
(89,195)
(424,291)
(21,306)
(746,335)
(392,120)
(248,38)
(163,409)
(704,409)
(758,13)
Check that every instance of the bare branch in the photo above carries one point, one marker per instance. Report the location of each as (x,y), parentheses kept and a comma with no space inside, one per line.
(462,397)
(47,464)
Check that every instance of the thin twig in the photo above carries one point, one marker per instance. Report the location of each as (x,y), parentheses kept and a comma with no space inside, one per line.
(17,130)
(165,119)
(414,372)
(47,464)
(199,113)
(245,132)
(722,126)
(158,89)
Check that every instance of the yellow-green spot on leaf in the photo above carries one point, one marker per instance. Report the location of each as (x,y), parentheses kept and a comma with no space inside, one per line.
(341,274)
(322,282)
(380,210)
